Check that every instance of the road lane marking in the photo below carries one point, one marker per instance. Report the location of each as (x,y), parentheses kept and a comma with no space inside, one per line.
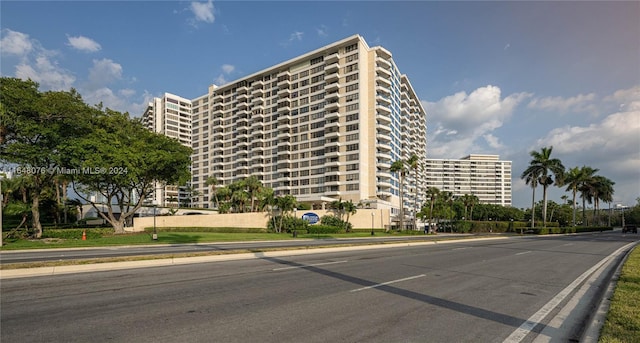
(308,265)
(520,333)
(522,253)
(460,248)
(388,283)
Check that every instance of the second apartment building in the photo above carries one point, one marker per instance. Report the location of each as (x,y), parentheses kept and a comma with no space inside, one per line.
(322,126)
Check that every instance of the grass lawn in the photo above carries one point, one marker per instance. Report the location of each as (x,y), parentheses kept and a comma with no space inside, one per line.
(171,238)
(623,319)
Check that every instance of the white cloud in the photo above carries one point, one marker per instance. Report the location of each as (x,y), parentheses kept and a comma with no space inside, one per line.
(103,72)
(296,36)
(579,103)
(47,73)
(228,68)
(203,11)
(15,43)
(322,31)
(83,44)
(612,144)
(220,80)
(459,124)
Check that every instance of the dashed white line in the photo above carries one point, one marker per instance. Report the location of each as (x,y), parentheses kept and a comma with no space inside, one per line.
(524,252)
(308,265)
(388,282)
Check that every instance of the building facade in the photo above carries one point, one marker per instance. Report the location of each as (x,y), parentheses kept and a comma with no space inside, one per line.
(170,115)
(484,176)
(323,126)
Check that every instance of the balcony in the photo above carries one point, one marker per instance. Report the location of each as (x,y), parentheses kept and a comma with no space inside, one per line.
(332,58)
(332,105)
(332,87)
(383,63)
(383,72)
(242,90)
(381,81)
(331,68)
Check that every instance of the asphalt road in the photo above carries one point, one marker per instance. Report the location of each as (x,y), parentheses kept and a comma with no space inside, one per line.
(164,249)
(480,291)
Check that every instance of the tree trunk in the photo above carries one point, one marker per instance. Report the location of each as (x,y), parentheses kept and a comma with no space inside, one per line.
(574,207)
(533,208)
(544,205)
(35,213)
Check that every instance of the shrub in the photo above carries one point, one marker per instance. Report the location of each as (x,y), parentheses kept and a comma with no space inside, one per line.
(330,220)
(324,229)
(289,224)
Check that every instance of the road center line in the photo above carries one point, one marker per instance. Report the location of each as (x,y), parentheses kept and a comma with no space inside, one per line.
(522,253)
(309,265)
(388,282)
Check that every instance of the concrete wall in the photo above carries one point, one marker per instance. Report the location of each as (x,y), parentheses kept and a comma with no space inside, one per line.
(362,219)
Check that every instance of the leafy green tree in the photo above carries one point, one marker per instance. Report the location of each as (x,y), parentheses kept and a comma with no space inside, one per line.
(253,186)
(35,128)
(546,169)
(585,186)
(123,161)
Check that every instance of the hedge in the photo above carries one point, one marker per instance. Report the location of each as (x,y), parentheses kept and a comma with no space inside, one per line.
(76,233)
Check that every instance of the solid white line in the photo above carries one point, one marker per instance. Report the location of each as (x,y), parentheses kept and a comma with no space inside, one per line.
(522,253)
(308,265)
(388,282)
(520,333)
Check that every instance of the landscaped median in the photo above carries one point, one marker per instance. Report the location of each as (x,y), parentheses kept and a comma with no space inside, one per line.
(108,264)
(623,319)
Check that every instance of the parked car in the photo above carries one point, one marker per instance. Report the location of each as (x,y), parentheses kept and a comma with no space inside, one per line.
(630,228)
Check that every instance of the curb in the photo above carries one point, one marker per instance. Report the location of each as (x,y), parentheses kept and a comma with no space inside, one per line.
(109,266)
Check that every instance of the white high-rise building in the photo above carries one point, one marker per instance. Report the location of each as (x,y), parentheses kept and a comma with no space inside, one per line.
(170,116)
(484,176)
(323,126)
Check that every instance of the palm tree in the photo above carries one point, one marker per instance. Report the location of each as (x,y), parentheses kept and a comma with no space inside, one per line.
(286,204)
(253,186)
(469,200)
(400,168)
(531,178)
(585,187)
(413,164)
(573,180)
(213,182)
(601,189)
(432,195)
(349,209)
(547,169)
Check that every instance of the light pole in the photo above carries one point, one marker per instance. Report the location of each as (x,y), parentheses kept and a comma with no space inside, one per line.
(155,233)
(373,214)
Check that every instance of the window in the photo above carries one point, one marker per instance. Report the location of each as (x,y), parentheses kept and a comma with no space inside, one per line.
(352,127)
(351,47)
(353,187)
(352,157)
(351,97)
(352,77)
(316,60)
(353,177)
(352,87)
(352,137)
(352,147)
(351,67)
(352,107)
(352,167)
(352,57)
(352,117)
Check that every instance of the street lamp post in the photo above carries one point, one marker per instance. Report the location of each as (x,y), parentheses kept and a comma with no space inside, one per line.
(155,233)
(373,214)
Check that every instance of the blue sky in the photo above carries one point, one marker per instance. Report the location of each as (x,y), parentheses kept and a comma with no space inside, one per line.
(495,77)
